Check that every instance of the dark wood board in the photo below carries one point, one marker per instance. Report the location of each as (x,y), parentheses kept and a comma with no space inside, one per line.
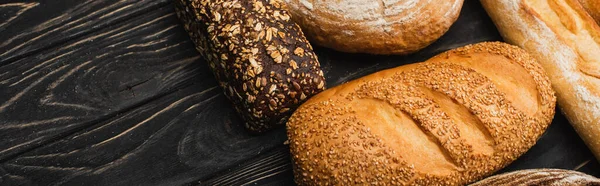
(30,26)
(74,85)
(121,97)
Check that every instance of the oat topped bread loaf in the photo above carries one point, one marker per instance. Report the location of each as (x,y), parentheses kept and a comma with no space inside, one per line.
(377,27)
(450,120)
(259,56)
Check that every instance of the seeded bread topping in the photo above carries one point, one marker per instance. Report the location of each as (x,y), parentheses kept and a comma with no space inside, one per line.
(451,120)
(259,56)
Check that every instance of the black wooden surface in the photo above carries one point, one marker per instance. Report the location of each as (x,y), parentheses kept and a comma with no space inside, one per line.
(107,92)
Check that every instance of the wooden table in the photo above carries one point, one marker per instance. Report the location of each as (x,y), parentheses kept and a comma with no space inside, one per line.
(107,92)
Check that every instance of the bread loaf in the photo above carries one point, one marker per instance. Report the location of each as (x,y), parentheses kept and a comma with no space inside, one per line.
(593,8)
(377,27)
(546,177)
(259,56)
(565,40)
(451,120)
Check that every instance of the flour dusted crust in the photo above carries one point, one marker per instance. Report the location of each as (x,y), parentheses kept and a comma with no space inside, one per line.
(565,40)
(593,8)
(451,120)
(378,27)
(534,177)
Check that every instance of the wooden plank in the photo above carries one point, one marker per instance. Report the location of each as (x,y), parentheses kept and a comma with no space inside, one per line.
(272,168)
(72,86)
(136,106)
(27,27)
(83,70)
(169,141)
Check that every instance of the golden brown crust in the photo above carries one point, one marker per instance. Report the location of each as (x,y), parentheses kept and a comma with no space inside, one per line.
(565,40)
(593,8)
(546,177)
(448,121)
(378,27)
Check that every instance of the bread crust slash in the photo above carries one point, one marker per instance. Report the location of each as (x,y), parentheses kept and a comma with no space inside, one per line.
(450,120)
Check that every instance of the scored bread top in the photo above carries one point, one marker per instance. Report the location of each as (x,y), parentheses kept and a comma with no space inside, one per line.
(379,27)
(450,120)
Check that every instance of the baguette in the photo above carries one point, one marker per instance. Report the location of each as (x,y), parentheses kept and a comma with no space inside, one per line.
(451,120)
(565,41)
(546,177)
(259,56)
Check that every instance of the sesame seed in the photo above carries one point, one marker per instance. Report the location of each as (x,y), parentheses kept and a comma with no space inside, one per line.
(333,143)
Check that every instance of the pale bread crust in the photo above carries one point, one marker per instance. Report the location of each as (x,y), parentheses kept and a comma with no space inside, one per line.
(377,27)
(546,177)
(593,8)
(451,120)
(565,40)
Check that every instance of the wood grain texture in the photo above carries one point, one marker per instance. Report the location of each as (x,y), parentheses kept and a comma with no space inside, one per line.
(79,83)
(169,141)
(272,168)
(133,104)
(27,27)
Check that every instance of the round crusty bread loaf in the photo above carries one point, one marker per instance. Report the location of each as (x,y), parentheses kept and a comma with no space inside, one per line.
(547,177)
(377,27)
(451,120)
(593,8)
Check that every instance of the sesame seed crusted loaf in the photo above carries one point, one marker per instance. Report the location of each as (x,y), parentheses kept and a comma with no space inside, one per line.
(259,56)
(451,120)
(377,27)
(546,177)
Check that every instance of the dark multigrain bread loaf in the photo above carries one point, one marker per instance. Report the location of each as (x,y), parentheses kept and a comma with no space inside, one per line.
(546,177)
(259,56)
